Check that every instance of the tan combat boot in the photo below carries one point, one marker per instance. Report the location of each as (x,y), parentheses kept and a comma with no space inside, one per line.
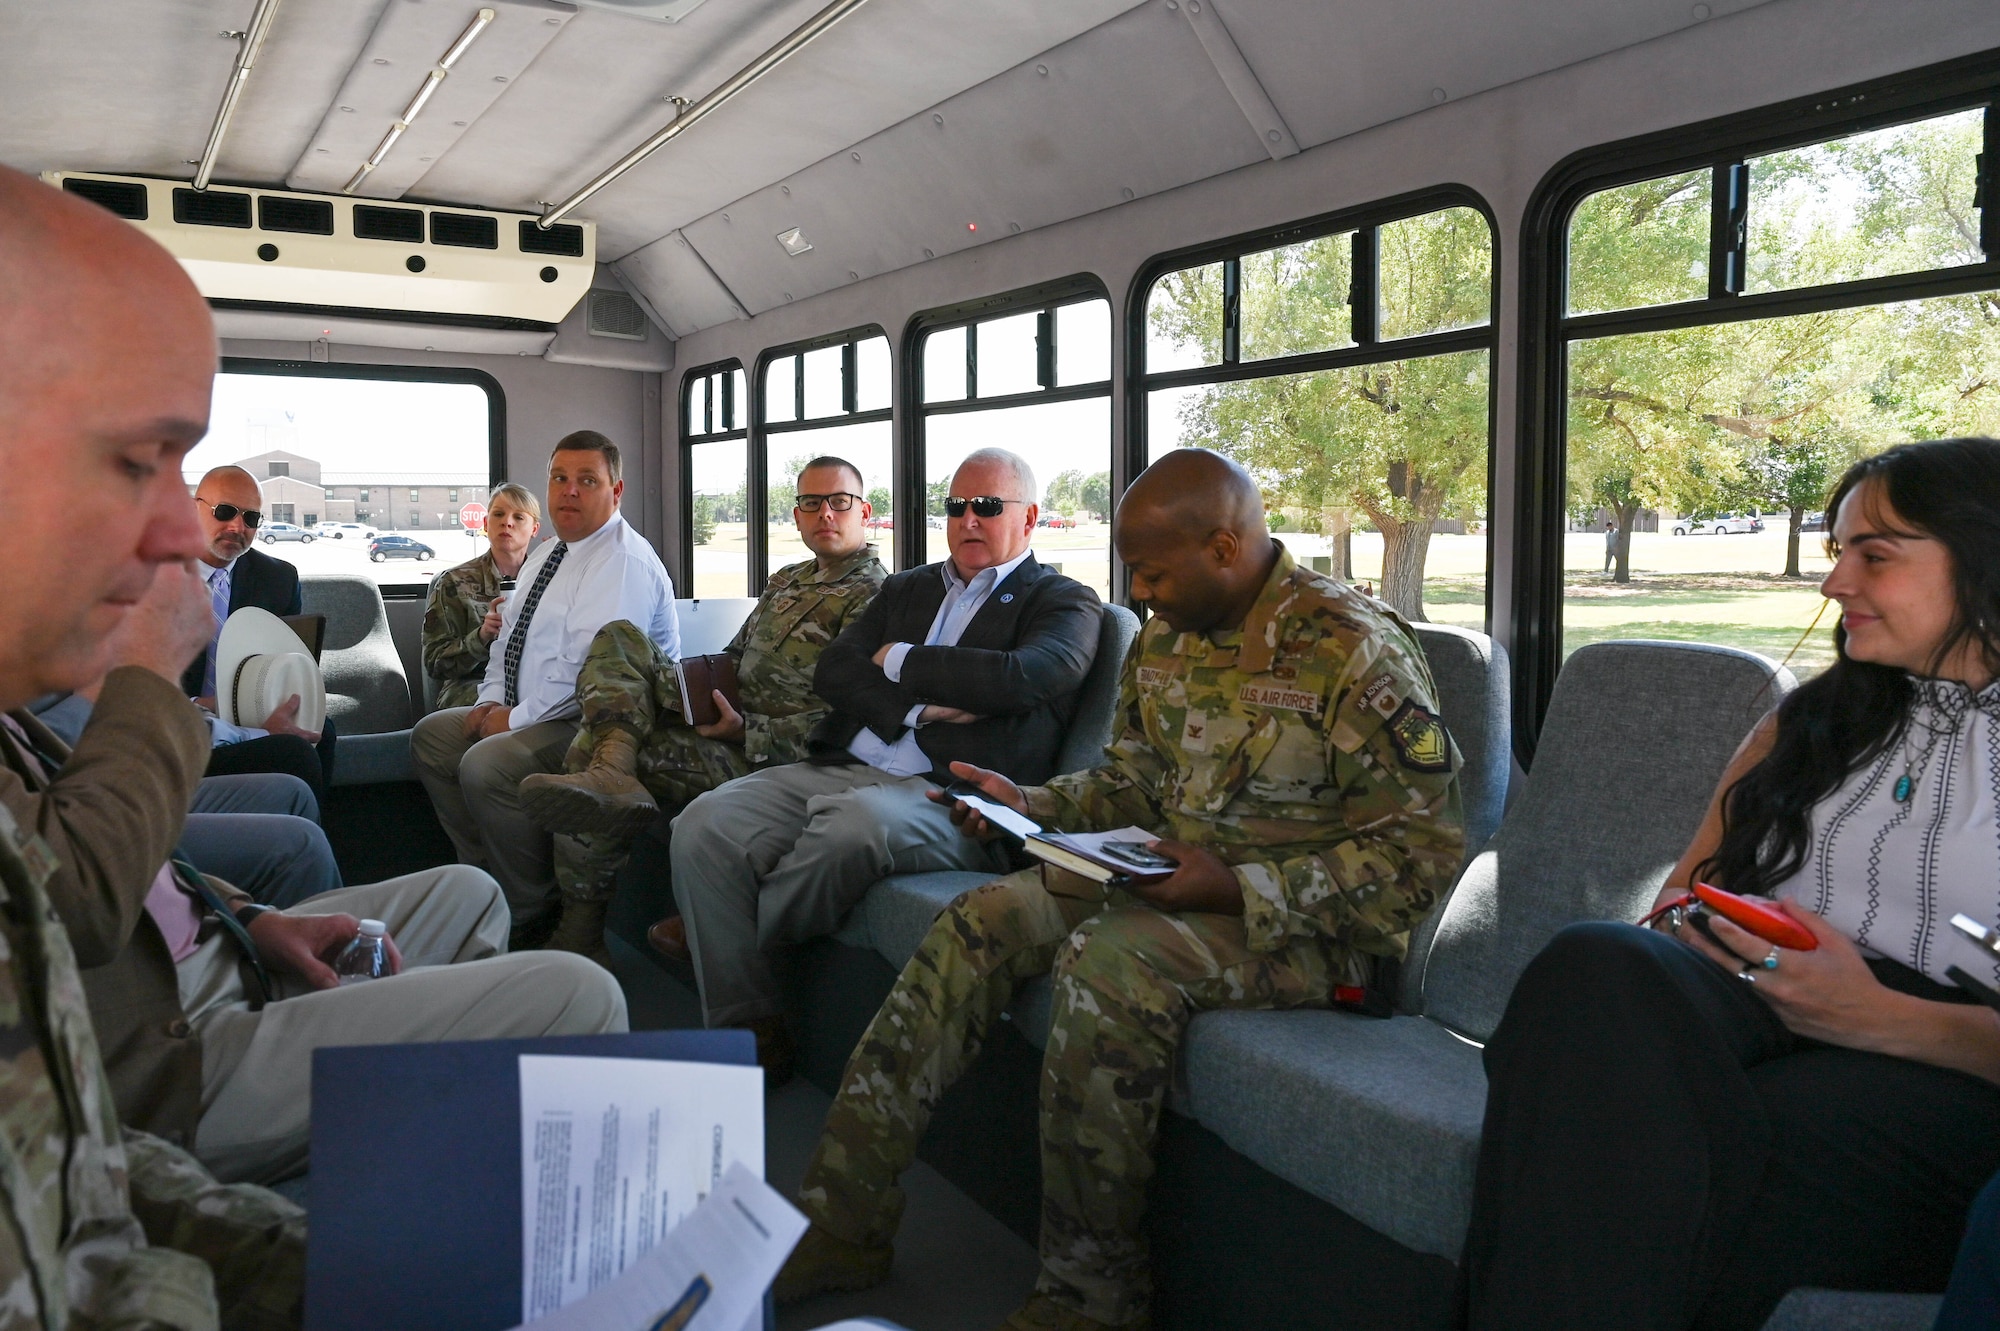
(1042,1313)
(822,1264)
(604,797)
(581,930)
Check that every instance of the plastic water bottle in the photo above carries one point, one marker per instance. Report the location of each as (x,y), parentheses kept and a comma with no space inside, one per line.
(367,957)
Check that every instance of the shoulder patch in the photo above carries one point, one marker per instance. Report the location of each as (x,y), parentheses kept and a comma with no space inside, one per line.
(1420,739)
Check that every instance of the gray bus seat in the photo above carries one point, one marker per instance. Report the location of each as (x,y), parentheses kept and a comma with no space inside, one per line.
(367,694)
(1846,1310)
(1382,1118)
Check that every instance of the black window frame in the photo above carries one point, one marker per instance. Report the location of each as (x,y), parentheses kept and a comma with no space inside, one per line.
(721,372)
(496,416)
(1546,329)
(1365,220)
(1043,297)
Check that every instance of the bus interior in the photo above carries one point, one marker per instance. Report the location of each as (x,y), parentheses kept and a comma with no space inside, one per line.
(1510,308)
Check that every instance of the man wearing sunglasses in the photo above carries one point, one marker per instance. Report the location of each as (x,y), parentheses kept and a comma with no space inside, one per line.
(229,508)
(979,654)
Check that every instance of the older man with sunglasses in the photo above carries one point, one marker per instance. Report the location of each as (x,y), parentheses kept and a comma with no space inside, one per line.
(229,507)
(976,658)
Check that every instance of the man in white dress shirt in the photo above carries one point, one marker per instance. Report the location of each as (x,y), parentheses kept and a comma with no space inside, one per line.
(472,759)
(978,659)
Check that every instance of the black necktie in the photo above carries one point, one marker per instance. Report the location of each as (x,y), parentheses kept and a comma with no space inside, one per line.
(518,639)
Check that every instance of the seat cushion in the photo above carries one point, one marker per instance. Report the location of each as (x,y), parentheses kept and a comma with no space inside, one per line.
(1378,1118)
(897,912)
(1840,1310)
(362,760)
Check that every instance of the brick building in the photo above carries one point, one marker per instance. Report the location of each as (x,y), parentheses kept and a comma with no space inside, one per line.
(297,489)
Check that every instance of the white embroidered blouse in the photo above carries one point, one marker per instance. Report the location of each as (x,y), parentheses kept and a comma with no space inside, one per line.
(1891,873)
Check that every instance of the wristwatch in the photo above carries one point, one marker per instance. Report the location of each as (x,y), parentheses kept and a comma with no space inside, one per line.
(246,914)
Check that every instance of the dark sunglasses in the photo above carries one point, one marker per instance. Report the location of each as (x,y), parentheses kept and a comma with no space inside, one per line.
(985,506)
(839,503)
(229,512)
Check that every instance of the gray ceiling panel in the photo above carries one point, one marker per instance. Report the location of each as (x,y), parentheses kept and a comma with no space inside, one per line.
(300,69)
(1335,67)
(678,285)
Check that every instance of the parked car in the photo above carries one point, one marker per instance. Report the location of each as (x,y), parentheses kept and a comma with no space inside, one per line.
(1735,524)
(339,531)
(273,532)
(881,524)
(1057,521)
(1813,522)
(398,547)
(934,522)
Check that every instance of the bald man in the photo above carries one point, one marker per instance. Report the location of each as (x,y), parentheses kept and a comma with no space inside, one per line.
(1280,737)
(229,505)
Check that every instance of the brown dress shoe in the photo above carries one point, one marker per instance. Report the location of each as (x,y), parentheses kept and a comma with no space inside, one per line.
(670,939)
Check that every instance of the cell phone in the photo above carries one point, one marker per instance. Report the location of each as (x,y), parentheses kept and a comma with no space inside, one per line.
(1132,853)
(1977,932)
(1761,918)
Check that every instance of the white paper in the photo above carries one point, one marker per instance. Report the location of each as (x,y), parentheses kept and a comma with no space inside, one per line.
(615,1152)
(734,1242)
(1094,840)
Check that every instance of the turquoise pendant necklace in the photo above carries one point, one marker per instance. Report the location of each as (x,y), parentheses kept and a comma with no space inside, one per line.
(1913,771)
(1904,785)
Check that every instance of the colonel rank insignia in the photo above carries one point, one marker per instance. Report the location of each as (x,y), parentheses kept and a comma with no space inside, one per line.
(1420,739)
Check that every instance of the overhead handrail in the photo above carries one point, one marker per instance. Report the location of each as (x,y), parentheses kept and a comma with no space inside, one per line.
(251,42)
(737,82)
(438,74)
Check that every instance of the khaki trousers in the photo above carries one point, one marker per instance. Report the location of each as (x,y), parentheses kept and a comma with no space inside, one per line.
(780,856)
(476,789)
(451,926)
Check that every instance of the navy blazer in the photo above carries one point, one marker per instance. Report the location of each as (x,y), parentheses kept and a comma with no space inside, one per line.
(1018,665)
(254,579)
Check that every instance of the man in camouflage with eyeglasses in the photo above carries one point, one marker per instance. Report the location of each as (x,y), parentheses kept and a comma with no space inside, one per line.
(1280,735)
(635,753)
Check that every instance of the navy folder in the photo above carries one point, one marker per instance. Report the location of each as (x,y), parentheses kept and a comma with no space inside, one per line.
(416,1175)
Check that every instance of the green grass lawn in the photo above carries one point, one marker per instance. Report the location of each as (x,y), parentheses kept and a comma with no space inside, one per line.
(1759,612)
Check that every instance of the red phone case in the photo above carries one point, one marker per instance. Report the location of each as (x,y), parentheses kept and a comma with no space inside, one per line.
(1767,922)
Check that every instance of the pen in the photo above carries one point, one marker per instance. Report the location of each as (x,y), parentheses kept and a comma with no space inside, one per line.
(677,1317)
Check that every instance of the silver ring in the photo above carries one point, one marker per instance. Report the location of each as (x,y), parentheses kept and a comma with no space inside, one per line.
(1770,963)
(1747,975)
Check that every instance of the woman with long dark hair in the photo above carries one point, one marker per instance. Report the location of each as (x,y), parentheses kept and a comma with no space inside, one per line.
(1685,1122)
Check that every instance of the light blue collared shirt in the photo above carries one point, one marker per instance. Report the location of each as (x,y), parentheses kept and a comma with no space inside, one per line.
(963,600)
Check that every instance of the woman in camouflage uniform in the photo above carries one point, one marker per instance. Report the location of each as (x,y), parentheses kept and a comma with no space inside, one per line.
(461,621)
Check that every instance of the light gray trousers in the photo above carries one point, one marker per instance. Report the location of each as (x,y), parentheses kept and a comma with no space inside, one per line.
(476,789)
(781,856)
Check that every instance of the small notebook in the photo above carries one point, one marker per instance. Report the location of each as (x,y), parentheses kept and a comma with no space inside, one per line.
(699,678)
(311,630)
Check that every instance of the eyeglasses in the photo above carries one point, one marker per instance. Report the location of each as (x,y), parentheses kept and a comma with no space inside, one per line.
(229,513)
(985,506)
(839,503)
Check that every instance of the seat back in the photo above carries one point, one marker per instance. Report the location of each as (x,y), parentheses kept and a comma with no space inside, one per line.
(367,692)
(1097,699)
(1637,735)
(1475,699)
(708,623)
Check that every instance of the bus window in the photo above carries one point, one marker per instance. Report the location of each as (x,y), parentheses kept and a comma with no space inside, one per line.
(1373,461)
(715,412)
(1184,320)
(1041,381)
(1699,453)
(347,453)
(840,408)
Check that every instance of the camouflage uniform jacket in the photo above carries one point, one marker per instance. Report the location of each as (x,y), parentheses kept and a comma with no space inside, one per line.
(802,610)
(71,1253)
(1305,750)
(454,653)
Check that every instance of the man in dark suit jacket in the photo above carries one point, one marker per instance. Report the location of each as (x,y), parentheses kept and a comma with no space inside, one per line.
(228,506)
(975,659)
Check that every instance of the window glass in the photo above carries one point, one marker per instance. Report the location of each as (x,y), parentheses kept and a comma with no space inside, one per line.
(1295,298)
(1083,343)
(822,372)
(867,445)
(872,379)
(1434,273)
(1641,244)
(1007,355)
(1068,444)
(944,365)
(1376,474)
(1894,200)
(781,389)
(1694,438)
(718,473)
(340,438)
(1184,320)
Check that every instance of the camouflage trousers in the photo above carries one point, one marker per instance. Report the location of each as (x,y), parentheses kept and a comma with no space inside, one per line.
(1127,979)
(627,683)
(253,1240)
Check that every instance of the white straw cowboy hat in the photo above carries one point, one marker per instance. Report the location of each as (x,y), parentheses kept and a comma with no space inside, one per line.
(259,663)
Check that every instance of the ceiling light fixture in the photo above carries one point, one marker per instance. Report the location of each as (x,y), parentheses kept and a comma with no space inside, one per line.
(251,41)
(794,241)
(438,73)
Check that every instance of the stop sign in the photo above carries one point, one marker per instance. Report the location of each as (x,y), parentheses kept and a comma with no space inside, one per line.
(473,515)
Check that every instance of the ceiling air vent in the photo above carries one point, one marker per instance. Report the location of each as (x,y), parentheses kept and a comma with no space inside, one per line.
(615,314)
(127,199)
(560,240)
(466,230)
(399,224)
(208,207)
(304,217)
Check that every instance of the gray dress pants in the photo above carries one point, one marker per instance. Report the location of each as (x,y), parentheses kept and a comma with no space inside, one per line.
(780,856)
(476,790)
